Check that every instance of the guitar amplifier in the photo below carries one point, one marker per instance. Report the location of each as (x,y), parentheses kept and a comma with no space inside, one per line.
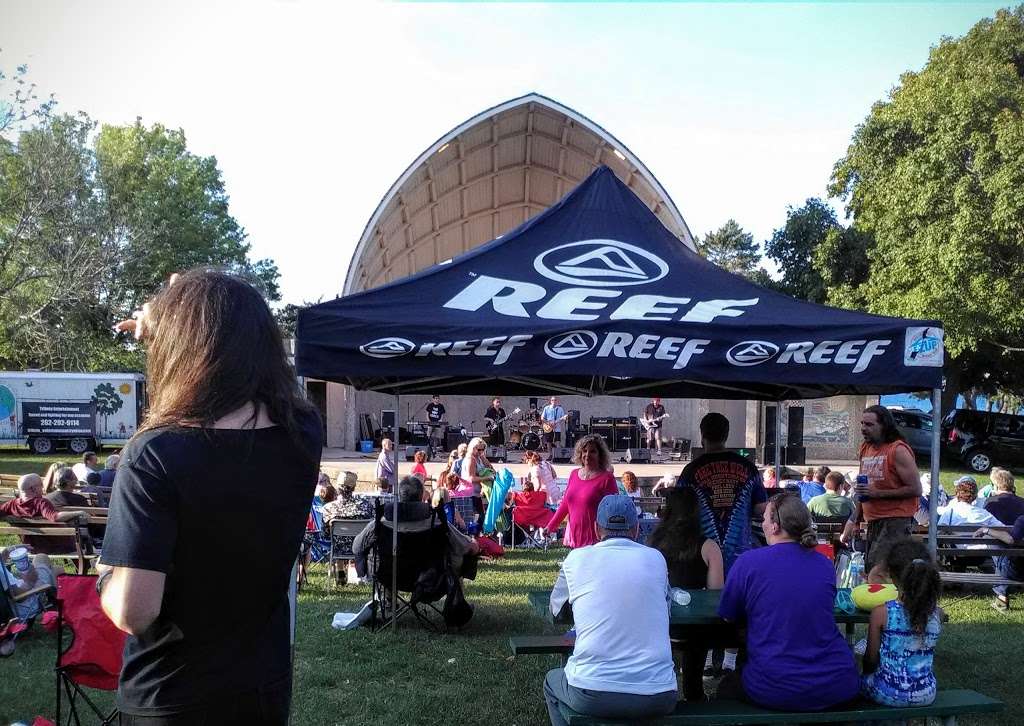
(601,421)
(626,421)
(497,453)
(606,432)
(453,438)
(625,437)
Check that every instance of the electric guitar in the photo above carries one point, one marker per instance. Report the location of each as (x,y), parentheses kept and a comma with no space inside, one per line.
(649,424)
(549,426)
(490,424)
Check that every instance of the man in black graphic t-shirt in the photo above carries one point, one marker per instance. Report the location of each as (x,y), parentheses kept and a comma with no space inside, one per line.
(654,414)
(435,415)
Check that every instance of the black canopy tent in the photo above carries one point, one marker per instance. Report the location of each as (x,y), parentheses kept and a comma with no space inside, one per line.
(594,296)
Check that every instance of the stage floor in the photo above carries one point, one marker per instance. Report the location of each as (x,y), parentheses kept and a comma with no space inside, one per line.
(334,461)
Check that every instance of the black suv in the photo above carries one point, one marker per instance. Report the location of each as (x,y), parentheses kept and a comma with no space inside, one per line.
(981,439)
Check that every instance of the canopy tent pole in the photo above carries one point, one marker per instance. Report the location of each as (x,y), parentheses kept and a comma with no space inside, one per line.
(778,443)
(933,499)
(394,516)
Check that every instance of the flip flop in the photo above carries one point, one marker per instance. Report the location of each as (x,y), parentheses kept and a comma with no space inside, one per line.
(1000,606)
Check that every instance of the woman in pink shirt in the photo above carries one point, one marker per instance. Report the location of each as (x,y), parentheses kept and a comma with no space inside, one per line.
(588,485)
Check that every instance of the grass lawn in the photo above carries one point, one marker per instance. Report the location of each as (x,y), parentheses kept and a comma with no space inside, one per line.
(413,677)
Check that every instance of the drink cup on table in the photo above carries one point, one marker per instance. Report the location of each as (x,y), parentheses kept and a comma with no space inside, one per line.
(19,556)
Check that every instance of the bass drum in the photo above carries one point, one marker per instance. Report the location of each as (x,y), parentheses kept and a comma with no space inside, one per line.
(514,437)
(531,441)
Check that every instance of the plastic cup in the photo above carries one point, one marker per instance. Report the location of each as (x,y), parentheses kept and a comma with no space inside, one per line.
(19,556)
(680,596)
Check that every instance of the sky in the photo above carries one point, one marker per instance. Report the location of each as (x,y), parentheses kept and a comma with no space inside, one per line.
(314,109)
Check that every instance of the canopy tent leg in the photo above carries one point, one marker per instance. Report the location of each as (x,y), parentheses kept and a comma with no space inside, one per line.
(933,500)
(394,518)
(778,443)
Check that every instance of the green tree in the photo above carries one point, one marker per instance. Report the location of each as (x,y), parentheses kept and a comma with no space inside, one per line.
(934,175)
(793,247)
(731,248)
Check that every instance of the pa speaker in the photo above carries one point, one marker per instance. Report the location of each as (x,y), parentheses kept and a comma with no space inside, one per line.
(795,431)
(638,456)
(410,452)
(387,421)
(794,455)
(561,454)
(497,453)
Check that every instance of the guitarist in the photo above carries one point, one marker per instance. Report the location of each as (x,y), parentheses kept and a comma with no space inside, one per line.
(552,416)
(654,414)
(494,419)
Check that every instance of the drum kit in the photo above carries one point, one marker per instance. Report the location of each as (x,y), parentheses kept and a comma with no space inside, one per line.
(525,435)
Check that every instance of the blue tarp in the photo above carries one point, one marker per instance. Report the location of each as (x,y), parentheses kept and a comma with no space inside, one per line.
(595,296)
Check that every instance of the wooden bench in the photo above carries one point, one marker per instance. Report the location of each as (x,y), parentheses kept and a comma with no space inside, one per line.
(948,706)
(543,645)
(44,528)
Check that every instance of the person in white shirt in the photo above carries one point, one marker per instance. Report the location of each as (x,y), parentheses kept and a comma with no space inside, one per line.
(962,510)
(86,466)
(621,666)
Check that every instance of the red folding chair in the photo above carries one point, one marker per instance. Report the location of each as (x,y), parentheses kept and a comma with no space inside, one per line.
(93,659)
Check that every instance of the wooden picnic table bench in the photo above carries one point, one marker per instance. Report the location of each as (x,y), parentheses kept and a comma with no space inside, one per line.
(23,528)
(948,706)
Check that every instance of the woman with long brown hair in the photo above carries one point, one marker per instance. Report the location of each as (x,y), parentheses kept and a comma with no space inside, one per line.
(588,485)
(224,408)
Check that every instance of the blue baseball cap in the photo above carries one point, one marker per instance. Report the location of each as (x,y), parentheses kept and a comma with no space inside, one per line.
(616,513)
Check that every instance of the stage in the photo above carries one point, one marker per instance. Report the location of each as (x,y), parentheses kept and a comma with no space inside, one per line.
(336,460)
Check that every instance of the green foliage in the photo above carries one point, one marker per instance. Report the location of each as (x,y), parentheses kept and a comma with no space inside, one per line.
(92,223)
(934,176)
(793,248)
(731,248)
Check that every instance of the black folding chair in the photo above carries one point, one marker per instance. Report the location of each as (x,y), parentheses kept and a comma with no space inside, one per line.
(416,576)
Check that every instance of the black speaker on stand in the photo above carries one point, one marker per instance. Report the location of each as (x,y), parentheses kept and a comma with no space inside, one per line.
(769,434)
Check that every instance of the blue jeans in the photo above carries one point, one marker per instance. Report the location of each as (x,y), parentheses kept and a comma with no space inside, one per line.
(1011,568)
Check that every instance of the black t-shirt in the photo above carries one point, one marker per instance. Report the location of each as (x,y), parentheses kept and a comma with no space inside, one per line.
(222,514)
(1005,507)
(652,412)
(726,484)
(435,412)
(494,413)
(67,499)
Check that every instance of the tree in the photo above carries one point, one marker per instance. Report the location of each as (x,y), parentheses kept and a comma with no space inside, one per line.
(731,248)
(107,401)
(91,224)
(793,246)
(934,175)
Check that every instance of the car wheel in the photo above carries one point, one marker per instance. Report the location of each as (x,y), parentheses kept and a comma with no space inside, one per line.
(78,445)
(978,461)
(41,445)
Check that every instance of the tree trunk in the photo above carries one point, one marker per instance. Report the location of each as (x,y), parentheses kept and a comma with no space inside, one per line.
(952,388)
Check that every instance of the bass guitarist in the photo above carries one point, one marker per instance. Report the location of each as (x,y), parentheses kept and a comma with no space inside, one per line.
(654,414)
(494,419)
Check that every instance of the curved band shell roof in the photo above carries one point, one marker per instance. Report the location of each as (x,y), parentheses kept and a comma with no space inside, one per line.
(487,176)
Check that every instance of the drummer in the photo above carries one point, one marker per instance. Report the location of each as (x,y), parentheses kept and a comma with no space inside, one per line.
(533,415)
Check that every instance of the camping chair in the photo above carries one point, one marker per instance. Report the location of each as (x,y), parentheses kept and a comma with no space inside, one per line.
(343,532)
(93,659)
(316,544)
(10,624)
(422,556)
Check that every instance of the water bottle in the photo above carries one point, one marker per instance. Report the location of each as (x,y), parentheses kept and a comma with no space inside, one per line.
(680,596)
(856,569)
(862,485)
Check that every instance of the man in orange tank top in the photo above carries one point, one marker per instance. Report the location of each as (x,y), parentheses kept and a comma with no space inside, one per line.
(892,496)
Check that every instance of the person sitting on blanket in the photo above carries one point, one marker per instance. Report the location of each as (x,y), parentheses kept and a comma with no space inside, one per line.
(785,596)
(414,516)
(621,666)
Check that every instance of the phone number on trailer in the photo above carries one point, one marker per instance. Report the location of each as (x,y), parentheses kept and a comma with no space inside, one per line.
(60,422)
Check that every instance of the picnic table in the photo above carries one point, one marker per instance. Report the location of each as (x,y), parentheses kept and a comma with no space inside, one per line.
(692,619)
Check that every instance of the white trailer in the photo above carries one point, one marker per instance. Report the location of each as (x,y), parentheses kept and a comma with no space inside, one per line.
(77,411)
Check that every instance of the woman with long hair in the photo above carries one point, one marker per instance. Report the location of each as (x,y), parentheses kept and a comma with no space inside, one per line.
(50,478)
(588,485)
(694,563)
(785,595)
(224,407)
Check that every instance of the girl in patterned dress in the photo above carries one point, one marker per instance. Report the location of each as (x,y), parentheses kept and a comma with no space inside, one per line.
(902,633)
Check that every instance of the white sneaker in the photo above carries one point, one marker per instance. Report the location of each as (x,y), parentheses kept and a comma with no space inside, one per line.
(861,646)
